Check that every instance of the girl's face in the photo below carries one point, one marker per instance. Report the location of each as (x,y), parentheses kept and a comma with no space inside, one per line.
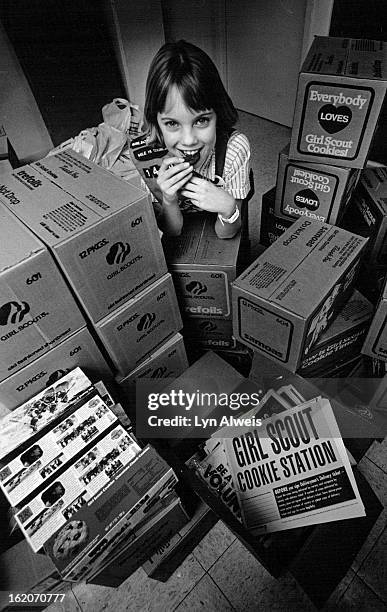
(186,131)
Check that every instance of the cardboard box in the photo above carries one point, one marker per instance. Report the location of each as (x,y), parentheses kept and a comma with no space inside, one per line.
(202,267)
(36,466)
(37,310)
(106,241)
(103,544)
(370,281)
(28,421)
(167,558)
(284,301)
(79,349)
(272,226)
(207,333)
(169,361)
(314,191)
(142,543)
(367,215)
(115,501)
(375,344)
(140,326)
(341,89)
(205,381)
(342,340)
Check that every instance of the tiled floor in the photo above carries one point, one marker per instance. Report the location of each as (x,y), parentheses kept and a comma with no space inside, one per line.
(220,574)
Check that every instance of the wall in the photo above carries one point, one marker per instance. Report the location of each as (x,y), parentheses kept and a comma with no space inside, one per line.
(138,32)
(19,112)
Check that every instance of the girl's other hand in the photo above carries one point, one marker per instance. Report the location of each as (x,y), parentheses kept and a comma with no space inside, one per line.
(173,174)
(209,197)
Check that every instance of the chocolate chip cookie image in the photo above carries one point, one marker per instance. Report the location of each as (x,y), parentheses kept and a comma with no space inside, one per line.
(70,540)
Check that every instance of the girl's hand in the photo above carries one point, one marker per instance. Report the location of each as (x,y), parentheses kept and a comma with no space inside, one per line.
(173,173)
(207,196)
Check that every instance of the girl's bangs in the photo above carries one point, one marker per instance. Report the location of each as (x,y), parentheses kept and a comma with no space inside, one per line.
(195,97)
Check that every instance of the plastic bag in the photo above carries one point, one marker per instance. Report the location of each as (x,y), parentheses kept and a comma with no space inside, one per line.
(85,144)
(107,144)
(123,116)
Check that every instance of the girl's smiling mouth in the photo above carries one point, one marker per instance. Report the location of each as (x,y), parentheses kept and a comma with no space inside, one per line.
(191,156)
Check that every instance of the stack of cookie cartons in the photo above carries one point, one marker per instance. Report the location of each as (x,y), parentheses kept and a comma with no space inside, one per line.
(202,268)
(43,332)
(341,89)
(80,484)
(103,234)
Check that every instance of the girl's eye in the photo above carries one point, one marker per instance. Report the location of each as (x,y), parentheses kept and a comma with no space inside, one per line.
(202,121)
(170,124)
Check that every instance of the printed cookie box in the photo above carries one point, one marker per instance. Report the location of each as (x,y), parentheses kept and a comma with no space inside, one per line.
(285,300)
(101,230)
(340,93)
(375,344)
(54,506)
(105,520)
(33,416)
(202,268)
(315,191)
(38,463)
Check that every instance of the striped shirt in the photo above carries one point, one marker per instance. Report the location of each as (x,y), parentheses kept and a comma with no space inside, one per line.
(235,172)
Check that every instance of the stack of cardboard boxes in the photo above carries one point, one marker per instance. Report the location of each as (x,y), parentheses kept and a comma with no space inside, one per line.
(341,89)
(43,332)
(284,302)
(81,486)
(103,235)
(203,268)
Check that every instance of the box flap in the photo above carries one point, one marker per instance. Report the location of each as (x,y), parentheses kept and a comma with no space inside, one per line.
(367,59)
(94,186)
(51,213)
(327,55)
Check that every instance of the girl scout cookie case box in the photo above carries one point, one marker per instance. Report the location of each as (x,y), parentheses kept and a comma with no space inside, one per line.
(79,349)
(314,191)
(202,267)
(137,329)
(106,241)
(375,344)
(367,215)
(283,302)
(37,310)
(341,89)
(168,361)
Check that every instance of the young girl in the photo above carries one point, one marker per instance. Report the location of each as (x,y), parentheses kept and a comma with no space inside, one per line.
(189,121)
